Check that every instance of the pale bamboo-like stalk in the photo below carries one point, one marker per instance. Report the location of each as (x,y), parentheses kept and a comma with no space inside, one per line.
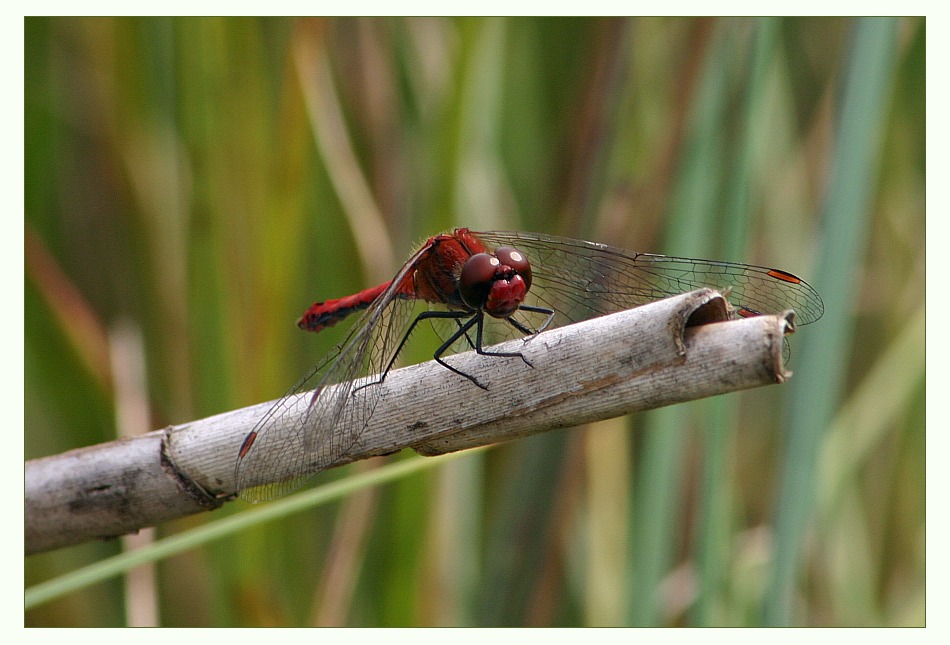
(663,353)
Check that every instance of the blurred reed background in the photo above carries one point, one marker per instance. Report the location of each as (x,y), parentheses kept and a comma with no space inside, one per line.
(199,182)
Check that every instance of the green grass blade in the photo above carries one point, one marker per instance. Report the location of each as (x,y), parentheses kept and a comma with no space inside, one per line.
(657,494)
(846,210)
(216,530)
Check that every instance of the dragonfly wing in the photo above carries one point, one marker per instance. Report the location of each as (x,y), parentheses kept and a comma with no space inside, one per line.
(581,279)
(306,432)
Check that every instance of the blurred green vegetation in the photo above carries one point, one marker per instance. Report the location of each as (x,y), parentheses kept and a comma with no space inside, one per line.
(205,180)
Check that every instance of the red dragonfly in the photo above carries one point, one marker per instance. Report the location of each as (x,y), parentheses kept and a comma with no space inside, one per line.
(516,283)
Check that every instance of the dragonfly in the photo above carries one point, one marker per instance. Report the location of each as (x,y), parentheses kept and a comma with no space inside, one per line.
(512,283)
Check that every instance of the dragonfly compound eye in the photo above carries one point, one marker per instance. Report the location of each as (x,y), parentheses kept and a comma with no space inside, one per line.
(516,260)
(476,279)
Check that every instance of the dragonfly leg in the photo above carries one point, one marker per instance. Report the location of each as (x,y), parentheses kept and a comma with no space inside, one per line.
(423,316)
(527,331)
(540,310)
(476,319)
(468,339)
(478,341)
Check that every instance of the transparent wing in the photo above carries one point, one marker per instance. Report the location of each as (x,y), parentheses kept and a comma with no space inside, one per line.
(305,433)
(580,280)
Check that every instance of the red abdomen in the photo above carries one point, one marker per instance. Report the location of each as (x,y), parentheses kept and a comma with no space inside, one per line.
(325,314)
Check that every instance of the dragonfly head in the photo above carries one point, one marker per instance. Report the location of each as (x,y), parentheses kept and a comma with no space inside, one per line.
(495,283)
